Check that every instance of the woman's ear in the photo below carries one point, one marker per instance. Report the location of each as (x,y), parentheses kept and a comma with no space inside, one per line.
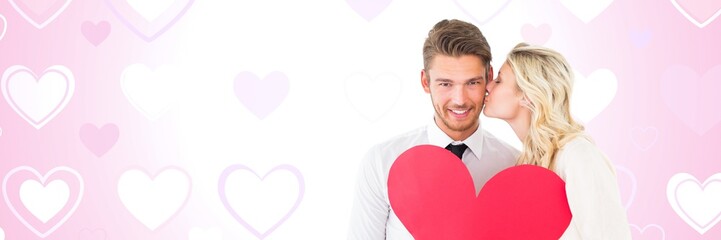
(525,102)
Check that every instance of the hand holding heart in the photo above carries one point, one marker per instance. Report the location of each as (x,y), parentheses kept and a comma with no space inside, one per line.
(432,193)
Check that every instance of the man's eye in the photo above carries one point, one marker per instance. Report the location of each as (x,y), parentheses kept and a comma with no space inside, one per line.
(474,82)
(444,84)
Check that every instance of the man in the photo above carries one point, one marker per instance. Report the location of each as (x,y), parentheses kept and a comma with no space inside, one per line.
(456,66)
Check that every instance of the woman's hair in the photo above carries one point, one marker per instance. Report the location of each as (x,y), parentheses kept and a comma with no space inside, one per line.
(546,80)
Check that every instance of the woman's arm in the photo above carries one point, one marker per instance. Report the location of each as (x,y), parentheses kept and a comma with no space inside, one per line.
(593,194)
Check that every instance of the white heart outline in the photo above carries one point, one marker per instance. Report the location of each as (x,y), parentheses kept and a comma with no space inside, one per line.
(128,93)
(671,188)
(222,192)
(641,230)
(69,91)
(693,20)
(634,184)
(643,130)
(47,21)
(365,76)
(5,26)
(484,21)
(43,179)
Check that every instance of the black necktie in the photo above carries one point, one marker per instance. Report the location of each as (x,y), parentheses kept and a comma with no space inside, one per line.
(457,149)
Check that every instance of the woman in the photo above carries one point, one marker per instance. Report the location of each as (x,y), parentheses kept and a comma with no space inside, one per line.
(532,93)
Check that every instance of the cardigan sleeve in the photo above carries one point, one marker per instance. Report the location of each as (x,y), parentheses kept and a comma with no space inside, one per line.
(593,193)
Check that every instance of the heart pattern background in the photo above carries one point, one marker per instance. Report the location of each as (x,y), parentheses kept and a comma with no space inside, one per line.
(103,88)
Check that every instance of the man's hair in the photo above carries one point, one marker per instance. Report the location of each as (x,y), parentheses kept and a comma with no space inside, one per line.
(456,38)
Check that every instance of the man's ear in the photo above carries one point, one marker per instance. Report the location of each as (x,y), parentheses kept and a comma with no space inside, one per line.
(425,81)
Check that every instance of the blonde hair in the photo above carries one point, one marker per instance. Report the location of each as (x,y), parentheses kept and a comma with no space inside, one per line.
(456,38)
(546,80)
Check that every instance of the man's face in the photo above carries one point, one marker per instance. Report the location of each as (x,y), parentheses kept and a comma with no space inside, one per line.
(457,86)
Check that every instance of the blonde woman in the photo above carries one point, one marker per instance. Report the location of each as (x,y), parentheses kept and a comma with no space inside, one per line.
(532,93)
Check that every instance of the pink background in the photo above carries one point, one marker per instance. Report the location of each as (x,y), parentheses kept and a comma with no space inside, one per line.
(663,119)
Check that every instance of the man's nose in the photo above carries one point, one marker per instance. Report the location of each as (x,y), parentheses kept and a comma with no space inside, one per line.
(458,96)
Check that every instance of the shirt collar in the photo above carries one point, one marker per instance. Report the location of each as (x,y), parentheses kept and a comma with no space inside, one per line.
(437,137)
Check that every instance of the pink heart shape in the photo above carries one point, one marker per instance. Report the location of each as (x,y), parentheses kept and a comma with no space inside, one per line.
(224,198)
(40,13)
(536,34)
(368,9)
(640,38)
(644,138)
(148,30)
(14,193)
(649,232)
(692,98)
(95,33)
(99,140)
(432,193)
(261,96)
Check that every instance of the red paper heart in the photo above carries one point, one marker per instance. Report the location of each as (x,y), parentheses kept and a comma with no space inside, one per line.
(432,193)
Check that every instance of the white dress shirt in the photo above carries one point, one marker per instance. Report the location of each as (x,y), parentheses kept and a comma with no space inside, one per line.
(372,217)
(592,191)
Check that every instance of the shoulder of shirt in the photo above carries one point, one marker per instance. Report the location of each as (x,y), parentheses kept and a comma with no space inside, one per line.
(579,144)
(580,150)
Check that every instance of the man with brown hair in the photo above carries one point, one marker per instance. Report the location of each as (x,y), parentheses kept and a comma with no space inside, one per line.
(456,67)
